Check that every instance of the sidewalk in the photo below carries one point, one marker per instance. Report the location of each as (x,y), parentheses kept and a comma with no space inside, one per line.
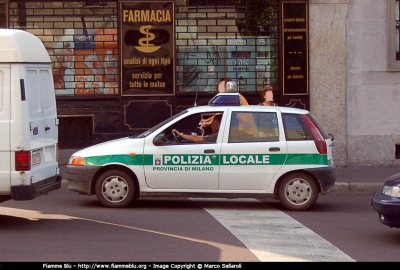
(363,179)
(349,179)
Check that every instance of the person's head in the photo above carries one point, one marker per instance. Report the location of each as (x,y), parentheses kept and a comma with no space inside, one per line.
(216,122)
(267,94)
(222,82)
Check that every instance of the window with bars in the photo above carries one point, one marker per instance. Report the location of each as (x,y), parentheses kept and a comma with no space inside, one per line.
(214,39)
(81,40)
(75,132)
(234,38)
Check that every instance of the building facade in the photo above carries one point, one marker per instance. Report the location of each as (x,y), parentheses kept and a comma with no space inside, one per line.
(121,67)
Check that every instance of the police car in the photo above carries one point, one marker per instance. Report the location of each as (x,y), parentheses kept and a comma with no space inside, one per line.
(260,152)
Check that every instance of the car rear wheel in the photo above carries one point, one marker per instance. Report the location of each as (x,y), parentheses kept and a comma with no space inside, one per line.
(298,192)
(115,189)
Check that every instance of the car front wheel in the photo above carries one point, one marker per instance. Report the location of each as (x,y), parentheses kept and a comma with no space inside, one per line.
(298,192)
(115,189)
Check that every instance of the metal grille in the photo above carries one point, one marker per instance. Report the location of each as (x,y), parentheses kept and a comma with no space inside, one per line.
(81,41)
(75,132)
(214,39)
(235,38)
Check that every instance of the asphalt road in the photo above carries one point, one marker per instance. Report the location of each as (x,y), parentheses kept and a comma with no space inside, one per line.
(67,227)
(348,221)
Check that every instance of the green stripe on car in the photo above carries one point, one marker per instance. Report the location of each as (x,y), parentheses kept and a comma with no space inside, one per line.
(211,160)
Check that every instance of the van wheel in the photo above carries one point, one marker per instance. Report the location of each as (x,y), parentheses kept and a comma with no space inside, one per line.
(298,192)
(115,188)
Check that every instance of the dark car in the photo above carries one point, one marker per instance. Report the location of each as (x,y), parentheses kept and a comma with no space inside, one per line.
(387,202)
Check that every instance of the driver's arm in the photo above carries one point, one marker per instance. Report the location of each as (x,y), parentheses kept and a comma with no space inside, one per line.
(206,122)
(188,137)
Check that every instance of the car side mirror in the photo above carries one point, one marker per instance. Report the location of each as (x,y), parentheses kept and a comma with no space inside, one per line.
(332,138)
(159,139)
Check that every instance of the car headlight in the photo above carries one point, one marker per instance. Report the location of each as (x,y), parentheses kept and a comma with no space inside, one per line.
(393,191)
(77,161)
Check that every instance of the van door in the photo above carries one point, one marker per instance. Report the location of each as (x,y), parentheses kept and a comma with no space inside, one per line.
(5,114)
(49,108)
(42,120)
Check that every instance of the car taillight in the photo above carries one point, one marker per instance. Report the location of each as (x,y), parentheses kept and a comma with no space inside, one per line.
(317,136)
(23,161)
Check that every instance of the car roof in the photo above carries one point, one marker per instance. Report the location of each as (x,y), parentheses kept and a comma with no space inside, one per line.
(250,108)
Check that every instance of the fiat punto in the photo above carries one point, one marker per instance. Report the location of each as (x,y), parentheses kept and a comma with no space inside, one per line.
(258,152)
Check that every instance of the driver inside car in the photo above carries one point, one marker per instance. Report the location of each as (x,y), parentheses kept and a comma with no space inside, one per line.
(214,124)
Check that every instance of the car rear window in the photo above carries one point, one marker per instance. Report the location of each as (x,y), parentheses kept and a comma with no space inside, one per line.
(296,129)
(319,126)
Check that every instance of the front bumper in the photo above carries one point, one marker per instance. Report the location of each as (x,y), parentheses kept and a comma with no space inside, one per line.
(388,209)
(29,192)
(326,177)
(80,178)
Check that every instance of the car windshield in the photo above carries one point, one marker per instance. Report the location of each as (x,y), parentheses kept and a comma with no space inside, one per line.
(151,130)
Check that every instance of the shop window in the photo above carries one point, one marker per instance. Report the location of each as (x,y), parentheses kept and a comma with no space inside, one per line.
(393,28)
(81,40)
(235,38)
(214,39)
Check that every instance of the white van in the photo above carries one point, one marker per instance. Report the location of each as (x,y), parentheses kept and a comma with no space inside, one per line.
(28,118)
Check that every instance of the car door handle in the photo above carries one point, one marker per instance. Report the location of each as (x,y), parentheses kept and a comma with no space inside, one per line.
(209,151)
(274,149)
(46,128)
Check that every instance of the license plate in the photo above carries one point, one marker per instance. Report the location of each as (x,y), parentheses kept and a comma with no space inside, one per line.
(36,159)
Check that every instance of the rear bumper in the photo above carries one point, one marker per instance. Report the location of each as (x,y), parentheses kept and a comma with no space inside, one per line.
(326,177)
(29,192)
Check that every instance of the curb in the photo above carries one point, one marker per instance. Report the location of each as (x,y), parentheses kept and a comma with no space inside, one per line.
(358,187)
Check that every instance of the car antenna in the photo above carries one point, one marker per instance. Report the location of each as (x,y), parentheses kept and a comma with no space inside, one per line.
(197,89)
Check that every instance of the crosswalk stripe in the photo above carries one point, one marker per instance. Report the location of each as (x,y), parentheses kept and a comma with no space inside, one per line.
(271,235)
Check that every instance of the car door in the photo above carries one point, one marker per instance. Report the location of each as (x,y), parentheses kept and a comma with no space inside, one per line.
(251,155)
(183,165)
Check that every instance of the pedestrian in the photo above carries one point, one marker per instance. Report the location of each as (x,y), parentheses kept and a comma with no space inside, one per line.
(267,97)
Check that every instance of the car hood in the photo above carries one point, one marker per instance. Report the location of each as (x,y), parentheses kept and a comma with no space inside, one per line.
(393,180)
(124,146)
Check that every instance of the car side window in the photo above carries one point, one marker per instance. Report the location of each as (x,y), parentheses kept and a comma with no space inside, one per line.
(262,127)
(266,126)
(189,125)
(295,128)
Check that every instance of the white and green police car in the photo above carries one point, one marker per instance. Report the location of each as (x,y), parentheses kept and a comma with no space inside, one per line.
(260,152)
